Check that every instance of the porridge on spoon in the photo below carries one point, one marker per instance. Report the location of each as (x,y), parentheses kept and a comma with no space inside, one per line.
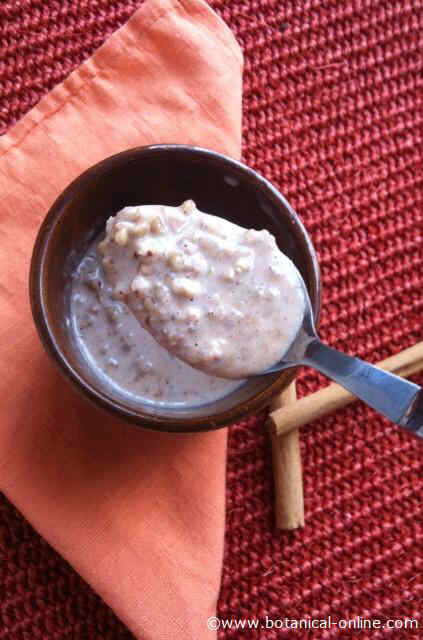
(219,297)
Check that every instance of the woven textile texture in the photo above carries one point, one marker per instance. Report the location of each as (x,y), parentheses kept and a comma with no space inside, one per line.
(333,115)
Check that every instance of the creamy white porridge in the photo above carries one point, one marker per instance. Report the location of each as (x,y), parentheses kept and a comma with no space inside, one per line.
(220,297)
(124,354)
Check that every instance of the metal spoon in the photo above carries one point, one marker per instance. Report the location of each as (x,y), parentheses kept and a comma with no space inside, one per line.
(396,398)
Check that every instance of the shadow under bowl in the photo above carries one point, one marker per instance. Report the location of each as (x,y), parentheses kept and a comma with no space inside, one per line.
(164,174)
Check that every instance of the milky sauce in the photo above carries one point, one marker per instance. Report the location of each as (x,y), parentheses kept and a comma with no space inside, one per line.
(220,297)
(124,354)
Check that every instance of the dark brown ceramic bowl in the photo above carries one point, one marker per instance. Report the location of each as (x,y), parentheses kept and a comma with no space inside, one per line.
(165,174)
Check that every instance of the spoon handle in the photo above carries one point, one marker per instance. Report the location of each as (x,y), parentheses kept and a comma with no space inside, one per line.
(399,400)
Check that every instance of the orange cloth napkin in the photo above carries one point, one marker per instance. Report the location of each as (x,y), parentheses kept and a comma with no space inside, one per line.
(139,515)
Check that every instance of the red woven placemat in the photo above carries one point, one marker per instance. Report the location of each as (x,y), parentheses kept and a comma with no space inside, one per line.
(333,115)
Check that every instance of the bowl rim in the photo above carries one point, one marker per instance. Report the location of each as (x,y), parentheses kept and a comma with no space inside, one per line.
(40,316)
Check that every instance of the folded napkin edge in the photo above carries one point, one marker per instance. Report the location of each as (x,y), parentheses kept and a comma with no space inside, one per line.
(150,12)
(201,6)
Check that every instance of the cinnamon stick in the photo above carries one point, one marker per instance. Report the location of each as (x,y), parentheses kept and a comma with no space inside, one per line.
(287,470)
(316,405)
